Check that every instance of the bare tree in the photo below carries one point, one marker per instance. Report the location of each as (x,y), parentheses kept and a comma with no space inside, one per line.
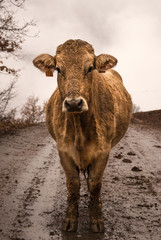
(12,35)
(31,112)
(5,96)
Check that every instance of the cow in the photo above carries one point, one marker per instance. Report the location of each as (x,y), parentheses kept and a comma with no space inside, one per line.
(87,115)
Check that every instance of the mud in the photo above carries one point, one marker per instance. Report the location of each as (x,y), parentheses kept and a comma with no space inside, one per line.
(33,192)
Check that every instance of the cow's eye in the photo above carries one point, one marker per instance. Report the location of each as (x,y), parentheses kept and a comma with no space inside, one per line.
(58,70)
(90,69)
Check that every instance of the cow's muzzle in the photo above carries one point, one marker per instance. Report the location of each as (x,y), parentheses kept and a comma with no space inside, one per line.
(75,105)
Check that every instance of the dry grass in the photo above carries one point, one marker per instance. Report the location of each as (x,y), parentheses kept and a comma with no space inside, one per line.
(152,118)
(11,127)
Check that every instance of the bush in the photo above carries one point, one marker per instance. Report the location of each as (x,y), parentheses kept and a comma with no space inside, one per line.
(31,113)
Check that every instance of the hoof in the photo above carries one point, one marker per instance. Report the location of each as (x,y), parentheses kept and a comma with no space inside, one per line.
(97,226)
(69,225)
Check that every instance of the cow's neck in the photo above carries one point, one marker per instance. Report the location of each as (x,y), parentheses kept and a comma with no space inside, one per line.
(82,125)
(79,137)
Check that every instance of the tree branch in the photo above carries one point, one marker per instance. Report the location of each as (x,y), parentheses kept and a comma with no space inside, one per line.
(5,96)
(18,5)
(31,23)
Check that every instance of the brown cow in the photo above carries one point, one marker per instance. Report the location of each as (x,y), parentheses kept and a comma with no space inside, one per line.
(87,115)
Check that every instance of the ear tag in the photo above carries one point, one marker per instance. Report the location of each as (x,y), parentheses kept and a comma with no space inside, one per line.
(49,72)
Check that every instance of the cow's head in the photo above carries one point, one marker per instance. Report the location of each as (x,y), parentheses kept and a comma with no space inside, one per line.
(74,62)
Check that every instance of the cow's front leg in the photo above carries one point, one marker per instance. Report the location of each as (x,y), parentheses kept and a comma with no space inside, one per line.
(94,185)
(73,185)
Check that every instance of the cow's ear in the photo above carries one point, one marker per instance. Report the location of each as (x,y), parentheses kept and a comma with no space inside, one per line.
(46,63)
(103,62)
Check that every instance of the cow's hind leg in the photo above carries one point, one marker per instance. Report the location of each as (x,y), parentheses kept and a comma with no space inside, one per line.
(73,185)
(94,185)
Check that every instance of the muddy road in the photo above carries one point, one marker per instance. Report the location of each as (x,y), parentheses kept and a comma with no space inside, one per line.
(33,192)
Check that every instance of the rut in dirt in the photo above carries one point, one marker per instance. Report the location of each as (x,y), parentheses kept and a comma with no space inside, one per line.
(33,191)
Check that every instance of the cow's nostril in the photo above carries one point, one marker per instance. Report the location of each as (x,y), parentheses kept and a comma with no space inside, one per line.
(67,105)
(80,103)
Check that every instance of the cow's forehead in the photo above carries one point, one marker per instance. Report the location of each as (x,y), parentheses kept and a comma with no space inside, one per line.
(75,48)
(74,51)
(68,57)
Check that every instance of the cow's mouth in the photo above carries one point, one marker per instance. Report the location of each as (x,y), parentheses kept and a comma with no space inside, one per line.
(75,105)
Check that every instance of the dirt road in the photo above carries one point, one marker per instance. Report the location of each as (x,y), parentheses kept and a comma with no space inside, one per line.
(33,192)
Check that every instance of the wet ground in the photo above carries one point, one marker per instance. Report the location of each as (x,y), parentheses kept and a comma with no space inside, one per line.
(33,192)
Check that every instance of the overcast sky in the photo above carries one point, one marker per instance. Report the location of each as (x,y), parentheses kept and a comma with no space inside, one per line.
(130,30)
